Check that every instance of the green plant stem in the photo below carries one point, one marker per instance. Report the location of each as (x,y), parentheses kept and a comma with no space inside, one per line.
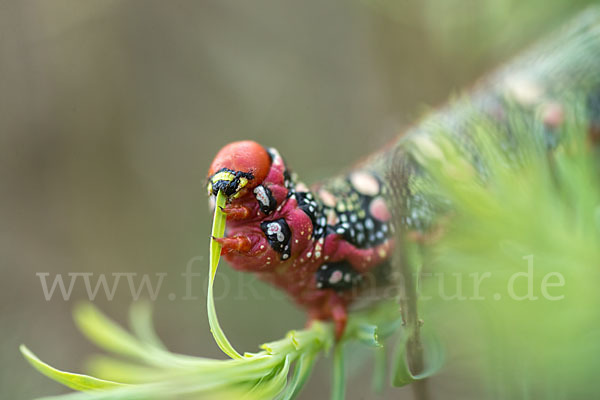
(338,387)
(218,229)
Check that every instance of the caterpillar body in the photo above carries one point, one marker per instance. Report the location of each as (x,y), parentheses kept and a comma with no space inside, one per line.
(327,244)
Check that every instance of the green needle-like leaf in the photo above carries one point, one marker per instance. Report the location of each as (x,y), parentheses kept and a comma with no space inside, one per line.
(111,368)
(338,388)
(218,230)
(368,334)
(302,371)
(434,359)
(379,370)
(270,386)
(74,381)
(161,374)
(140,320)
(107,334)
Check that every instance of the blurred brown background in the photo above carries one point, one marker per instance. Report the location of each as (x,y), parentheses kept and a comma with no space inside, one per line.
(111,111)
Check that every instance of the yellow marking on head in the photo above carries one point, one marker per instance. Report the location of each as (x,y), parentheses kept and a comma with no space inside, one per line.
(227,177)
(222,176)
(243,182)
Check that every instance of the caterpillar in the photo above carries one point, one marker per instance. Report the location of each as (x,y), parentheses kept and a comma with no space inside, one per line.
(326,244)
(525,138)
(317,244)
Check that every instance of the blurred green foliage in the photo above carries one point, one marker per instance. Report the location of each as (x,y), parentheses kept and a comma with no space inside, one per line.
(142,368)
(513,280)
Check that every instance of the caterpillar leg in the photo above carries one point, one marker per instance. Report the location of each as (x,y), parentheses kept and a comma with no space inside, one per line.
(339,315)
(238,243)
(236,212)
(333,309)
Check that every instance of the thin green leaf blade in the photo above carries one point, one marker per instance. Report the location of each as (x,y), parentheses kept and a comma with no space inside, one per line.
(72,380)
(272,384)
(302,371)
(434,359)
(368,334)
(379,374)
(218,230)
(140,320)
(338,387)
(107,334)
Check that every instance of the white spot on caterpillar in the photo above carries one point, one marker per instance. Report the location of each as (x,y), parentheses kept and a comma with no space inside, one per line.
(524,89)
(427,148)
(261,195)
(336,277)
(327,198)
(275,229)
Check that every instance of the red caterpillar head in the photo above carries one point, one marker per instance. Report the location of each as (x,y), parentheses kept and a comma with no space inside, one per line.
(238,167)
(260,215)
(252,177)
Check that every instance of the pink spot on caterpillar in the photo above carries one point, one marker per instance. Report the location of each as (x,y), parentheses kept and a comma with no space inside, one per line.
(301,187)
(336,277)
(327,198)
(553,114)
(379,210)
(332,217)
(364,183)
